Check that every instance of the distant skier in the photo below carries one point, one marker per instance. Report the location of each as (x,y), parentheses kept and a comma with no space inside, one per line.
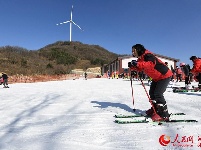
(196,70)
(85,76)
(178,72)
(5,80)
(186,70)
(166,63)
(160,74)
(108,74)
(173,73)
(141,75)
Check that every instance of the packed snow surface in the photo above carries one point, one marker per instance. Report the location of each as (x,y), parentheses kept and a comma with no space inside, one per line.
(79,114)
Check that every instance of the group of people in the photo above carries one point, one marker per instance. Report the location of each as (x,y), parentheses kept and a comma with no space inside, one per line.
(189,73)
(4,77)
(161,75)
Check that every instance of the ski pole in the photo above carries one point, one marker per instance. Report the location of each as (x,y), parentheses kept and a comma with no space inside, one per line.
(132,92)
(148,96)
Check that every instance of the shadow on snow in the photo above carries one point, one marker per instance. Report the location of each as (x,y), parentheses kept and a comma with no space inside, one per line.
(125,107)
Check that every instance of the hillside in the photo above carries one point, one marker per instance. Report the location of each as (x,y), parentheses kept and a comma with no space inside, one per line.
(57,58)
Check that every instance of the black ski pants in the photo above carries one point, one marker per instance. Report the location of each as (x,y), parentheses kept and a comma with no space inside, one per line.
(157,89)
(198,77)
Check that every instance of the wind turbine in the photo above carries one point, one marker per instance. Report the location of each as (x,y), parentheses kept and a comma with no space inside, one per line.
(70,21)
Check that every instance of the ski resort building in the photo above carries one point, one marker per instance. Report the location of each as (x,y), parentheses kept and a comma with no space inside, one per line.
(120,65)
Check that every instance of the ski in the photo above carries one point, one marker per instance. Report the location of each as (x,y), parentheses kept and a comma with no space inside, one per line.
(158,122)
(189,90)
(183,89)
(144,119)
(182,120)
(130,121)
(135,116)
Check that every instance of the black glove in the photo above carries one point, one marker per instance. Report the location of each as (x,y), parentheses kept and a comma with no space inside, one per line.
(129,64)
(134,63)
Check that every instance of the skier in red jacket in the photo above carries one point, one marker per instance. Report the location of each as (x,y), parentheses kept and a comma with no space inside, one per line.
(160,74)
(196,70)
(178,72)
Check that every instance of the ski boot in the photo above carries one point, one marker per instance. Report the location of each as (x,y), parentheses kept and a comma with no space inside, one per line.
(198,88)
(162,111)
(156,117)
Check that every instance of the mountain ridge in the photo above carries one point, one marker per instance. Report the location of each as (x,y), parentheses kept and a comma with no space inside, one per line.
(57,58)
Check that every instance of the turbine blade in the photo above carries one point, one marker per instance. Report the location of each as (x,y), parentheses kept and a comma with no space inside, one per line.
(66,21)
(62,22)
(72,9)
(71,14)
(77,26)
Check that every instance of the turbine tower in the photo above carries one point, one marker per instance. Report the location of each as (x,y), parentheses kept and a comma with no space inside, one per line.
(70,21)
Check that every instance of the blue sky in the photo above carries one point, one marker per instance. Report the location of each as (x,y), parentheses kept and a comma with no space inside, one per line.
(167,27)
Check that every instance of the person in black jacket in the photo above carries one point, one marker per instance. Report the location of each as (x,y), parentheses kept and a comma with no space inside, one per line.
(186,70)
(5,80)
(85,76)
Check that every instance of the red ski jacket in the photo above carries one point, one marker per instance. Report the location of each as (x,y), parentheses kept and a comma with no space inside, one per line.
(152,66)
(196,66)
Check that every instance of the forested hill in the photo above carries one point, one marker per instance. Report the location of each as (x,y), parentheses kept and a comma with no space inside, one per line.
(57,58)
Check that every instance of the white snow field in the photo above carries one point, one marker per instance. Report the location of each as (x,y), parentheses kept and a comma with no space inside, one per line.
(79,115)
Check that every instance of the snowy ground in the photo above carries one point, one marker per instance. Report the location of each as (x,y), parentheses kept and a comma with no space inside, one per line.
(78,114)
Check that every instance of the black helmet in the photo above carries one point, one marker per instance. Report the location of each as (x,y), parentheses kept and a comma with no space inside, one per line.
(139,48)
(193,57)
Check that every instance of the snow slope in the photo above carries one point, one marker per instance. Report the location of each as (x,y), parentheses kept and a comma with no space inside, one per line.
(78,114)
